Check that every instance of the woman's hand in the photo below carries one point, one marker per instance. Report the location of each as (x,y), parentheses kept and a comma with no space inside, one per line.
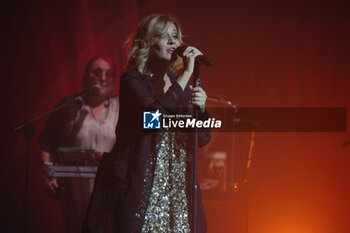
(52,184)
(188,56)
(198,98)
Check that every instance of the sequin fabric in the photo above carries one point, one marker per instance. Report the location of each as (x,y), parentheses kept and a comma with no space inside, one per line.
(168,206)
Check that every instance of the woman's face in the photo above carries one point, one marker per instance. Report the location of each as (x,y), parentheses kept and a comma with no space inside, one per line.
(101,73)
(167,44)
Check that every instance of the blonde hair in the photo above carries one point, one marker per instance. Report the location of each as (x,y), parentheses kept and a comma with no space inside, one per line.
(148,32)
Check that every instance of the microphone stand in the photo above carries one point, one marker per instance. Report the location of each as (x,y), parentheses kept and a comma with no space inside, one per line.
(28,129)
(196,83)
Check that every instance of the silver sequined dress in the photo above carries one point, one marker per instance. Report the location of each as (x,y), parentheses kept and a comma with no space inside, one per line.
(168,209)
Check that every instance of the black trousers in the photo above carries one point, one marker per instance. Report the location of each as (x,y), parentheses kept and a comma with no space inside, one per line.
(74,204)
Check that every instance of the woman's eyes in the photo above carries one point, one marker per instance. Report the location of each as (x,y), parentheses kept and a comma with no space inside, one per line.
(97,72)
(110,74)
(166,36)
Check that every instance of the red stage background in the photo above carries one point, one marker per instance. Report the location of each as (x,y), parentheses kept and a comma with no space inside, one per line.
(267,53)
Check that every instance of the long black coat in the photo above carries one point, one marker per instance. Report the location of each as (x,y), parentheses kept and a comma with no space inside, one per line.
(121,187)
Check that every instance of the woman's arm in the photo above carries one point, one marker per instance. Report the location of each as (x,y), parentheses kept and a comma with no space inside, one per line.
(50,183)
(189,56)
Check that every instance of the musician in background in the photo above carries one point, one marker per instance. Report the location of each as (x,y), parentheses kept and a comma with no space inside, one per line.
(89,122)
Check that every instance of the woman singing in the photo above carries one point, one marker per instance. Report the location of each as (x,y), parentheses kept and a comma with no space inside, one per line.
(149,186)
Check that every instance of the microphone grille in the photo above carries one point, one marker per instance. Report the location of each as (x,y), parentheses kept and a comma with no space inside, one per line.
(180,50)
(96,86)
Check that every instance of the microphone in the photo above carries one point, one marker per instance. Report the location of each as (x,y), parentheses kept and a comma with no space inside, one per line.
(201,60)
(94,90)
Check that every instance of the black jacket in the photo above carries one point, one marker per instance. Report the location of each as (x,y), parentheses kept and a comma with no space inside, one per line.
(121,176)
